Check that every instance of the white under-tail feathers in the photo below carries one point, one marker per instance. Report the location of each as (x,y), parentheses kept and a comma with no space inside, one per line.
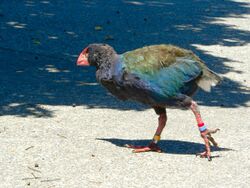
(208,79)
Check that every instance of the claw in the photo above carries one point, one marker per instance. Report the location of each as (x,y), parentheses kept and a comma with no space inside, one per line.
(204,155)
(209,158)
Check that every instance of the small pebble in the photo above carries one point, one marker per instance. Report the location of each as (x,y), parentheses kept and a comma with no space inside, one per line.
(28,183)
(93,155)
(73,105)
(36,165)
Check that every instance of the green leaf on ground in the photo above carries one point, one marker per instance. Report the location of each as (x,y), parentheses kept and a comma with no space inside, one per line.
(98,28)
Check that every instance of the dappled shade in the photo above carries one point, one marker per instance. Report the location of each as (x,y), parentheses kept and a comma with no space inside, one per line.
(40,43)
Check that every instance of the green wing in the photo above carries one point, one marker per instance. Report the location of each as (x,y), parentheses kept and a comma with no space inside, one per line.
(166,69)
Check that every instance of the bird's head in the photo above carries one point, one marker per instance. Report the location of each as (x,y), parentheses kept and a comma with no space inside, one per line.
(95,55)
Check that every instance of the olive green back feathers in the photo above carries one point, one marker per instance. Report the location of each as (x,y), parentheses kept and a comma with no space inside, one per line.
(152,59)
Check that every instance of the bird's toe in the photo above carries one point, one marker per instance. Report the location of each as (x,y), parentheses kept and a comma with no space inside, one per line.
(139,149)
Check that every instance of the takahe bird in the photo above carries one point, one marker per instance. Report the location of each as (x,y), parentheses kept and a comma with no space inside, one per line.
(162,76)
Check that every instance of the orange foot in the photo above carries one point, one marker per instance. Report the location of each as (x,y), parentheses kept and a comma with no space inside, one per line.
(138,149)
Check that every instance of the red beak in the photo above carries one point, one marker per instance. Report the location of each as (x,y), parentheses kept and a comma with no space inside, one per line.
(83,58)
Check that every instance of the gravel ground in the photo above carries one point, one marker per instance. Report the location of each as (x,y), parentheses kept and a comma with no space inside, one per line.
(59,128)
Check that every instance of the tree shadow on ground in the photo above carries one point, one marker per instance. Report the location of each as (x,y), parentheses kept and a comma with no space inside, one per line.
(40,41)
(167,146)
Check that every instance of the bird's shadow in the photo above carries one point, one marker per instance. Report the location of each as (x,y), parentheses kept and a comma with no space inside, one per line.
(167,146)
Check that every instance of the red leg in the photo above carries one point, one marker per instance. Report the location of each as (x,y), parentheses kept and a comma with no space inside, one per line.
(205,133)
(153,145)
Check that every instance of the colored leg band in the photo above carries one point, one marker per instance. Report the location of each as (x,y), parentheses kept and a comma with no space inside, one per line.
(202,127)
(156,138)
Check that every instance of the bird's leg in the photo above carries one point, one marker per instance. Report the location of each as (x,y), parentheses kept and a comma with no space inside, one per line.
(205,133)
(153,144)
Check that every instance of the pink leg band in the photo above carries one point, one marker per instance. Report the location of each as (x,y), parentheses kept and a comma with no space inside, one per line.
(202,127)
